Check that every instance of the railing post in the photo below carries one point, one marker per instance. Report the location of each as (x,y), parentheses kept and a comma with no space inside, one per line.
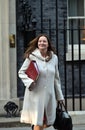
(72,48)
(79,44)
(64,32)
(57,26)
(41,16)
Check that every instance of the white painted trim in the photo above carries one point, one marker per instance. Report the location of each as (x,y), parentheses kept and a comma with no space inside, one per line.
(76,53)
(76,49)
(77,17)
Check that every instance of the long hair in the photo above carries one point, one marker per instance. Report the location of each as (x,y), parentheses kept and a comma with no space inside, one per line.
(34,44)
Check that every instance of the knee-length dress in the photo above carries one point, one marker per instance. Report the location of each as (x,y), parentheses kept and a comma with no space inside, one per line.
(46,91)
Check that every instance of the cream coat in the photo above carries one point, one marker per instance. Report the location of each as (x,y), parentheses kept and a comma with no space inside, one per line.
(44,95)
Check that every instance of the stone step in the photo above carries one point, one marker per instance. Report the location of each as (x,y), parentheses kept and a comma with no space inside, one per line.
(11,122)
(78,117)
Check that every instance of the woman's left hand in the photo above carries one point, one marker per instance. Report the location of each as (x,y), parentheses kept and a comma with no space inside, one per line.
(60,101)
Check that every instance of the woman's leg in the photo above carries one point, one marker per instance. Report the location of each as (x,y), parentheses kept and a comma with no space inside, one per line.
(37,127)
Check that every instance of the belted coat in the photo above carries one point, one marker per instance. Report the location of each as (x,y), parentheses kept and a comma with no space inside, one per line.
(46,92)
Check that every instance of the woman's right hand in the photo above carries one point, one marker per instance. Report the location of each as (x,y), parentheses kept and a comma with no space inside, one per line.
(32,86)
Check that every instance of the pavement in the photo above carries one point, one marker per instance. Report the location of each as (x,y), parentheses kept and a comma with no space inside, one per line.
(14,124)
(78,127)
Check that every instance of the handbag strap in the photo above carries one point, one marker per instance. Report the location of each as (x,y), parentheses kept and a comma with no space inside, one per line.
(62,106)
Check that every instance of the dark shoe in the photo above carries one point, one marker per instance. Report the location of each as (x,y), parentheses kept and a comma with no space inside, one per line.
(32,127)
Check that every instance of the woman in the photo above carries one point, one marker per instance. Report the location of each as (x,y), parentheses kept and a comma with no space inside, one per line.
(39,106)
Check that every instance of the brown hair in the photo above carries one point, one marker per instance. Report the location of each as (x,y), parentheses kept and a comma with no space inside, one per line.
(34,44)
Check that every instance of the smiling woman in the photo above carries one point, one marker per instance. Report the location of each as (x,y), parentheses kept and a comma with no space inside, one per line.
(43,45)
(39,106)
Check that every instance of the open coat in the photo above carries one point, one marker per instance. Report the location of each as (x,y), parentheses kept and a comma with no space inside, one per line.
(46,92)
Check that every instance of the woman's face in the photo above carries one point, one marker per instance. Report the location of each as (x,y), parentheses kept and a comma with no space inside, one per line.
(43,43)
